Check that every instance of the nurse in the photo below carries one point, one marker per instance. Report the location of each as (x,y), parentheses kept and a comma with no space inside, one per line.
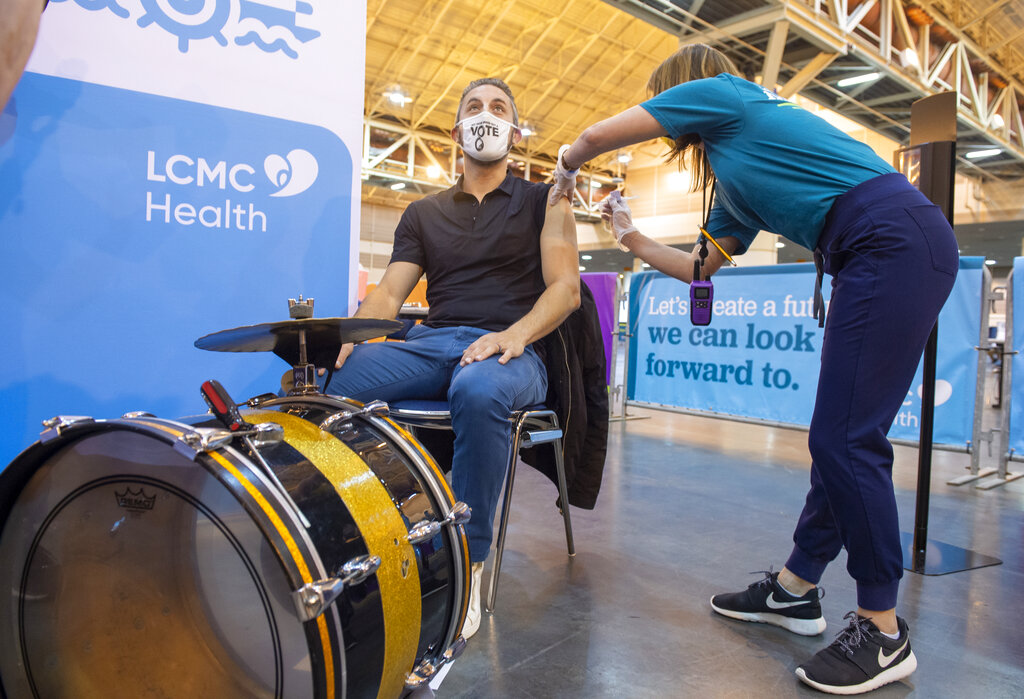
(770,165)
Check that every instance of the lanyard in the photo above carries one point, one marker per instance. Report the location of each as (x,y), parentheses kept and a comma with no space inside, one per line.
(706,203)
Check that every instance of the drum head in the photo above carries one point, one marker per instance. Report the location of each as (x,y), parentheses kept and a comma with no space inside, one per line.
(135,572)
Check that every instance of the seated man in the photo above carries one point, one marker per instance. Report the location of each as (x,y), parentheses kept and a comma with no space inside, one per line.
(502,271)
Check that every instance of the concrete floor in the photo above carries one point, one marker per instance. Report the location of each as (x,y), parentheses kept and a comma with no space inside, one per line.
(688,508)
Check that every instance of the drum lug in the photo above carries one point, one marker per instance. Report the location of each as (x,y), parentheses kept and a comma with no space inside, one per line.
(265,434)
(313,599)
(375,408)
(425,530)
(426,670)
(55,426)
(202,440)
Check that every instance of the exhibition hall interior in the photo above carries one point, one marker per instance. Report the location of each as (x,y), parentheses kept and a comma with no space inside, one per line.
(333,371)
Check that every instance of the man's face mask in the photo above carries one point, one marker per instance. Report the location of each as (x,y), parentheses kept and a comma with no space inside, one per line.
(485,137)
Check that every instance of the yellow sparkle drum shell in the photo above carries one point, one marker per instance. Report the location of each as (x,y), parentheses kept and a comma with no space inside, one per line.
(142,565)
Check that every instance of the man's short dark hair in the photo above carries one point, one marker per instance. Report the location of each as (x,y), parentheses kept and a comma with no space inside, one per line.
(496,82)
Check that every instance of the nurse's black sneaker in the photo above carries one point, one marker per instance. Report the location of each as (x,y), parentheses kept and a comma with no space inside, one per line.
(767,602)
(861,659)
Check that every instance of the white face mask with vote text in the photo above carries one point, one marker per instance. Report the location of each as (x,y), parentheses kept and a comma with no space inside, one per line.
(485,137)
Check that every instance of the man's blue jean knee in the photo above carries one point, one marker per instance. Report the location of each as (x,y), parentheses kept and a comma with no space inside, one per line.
(481,396)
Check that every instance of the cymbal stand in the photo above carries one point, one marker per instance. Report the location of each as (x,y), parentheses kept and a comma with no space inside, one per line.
(303,373)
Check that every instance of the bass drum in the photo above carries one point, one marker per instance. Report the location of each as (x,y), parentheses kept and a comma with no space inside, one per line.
(149,557)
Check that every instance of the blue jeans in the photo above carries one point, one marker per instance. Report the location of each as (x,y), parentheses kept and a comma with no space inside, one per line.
(893,259)
(481,397)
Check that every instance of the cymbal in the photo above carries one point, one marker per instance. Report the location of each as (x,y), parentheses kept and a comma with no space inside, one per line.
(324,337)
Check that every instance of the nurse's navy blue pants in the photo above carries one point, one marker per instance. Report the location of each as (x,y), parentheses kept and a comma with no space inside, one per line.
(892,257)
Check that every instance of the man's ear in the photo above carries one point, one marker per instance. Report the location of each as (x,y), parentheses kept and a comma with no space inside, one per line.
(456,133)
(517,135)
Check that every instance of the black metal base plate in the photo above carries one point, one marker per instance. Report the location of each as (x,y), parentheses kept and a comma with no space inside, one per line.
(941,558)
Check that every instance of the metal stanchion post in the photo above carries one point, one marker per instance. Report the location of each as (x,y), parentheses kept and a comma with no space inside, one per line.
(978,433)
(1003,475)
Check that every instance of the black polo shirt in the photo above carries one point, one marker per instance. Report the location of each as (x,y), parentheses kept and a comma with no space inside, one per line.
(481,260)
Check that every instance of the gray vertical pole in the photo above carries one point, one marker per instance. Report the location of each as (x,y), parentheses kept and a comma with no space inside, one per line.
(1003,476)
(978,434)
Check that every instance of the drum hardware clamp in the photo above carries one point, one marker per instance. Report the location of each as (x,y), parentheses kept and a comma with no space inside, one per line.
(425,529)
(56,425)
(426,670)
(205,439)
(313,599)
(136,414)
(375,408)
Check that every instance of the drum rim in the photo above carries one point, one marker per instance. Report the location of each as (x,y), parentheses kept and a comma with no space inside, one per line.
(173,433)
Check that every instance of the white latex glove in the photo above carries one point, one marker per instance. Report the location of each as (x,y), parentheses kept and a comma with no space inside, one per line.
(564,180)
(617,216)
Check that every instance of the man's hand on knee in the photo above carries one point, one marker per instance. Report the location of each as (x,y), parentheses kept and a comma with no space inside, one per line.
(506,343)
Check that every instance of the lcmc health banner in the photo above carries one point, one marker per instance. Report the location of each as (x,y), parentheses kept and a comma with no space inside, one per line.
(167,170)
(760,356)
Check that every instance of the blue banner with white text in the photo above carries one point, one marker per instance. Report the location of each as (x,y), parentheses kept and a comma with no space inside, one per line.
(760,356)
(131,225)
(1016,397)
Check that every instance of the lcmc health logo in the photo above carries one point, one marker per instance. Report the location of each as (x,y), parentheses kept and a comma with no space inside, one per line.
(206,178)
(291,174)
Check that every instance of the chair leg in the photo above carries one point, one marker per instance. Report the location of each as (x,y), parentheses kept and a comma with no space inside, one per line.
(488,603)
(563,493)
(499,549)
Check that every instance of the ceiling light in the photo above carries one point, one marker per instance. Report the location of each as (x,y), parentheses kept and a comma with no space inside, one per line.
(986,153)
(625,158)
(990,262)
(858,79)
(433,172)
(779,244)
(526,129)
(398,185)
(397,97)
(582,268)
(996,122)
(908,57)
(586,257)
(646,266)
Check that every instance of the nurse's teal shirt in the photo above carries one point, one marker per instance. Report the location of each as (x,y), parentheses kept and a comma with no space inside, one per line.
(779,167)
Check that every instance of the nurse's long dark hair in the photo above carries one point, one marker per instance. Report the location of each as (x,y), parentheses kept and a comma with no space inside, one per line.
(693,62)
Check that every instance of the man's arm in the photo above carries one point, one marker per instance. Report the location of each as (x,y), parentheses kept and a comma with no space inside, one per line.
(386,299)
(560,266)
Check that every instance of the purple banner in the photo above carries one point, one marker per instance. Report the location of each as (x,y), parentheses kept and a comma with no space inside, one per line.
(602,286)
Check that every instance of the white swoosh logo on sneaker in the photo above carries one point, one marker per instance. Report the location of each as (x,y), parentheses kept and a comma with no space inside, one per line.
(772,604)
(884,660)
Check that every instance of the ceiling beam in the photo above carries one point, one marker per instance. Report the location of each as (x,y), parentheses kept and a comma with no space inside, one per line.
(389,66)
(806,74)
(444,93)
(984,14)
(738,26)
(773,54)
